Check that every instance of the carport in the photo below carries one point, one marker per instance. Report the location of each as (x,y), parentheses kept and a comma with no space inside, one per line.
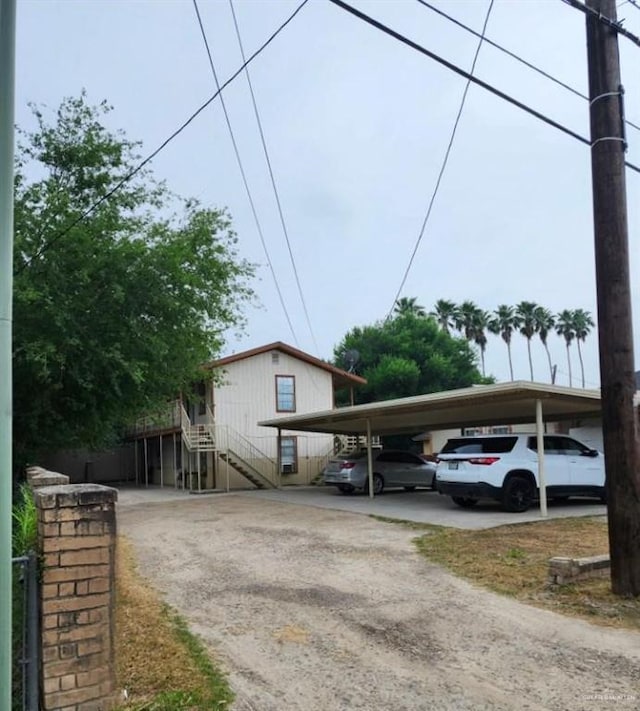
(514,403)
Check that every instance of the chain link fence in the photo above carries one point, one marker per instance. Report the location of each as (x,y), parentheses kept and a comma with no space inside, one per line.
(25,646)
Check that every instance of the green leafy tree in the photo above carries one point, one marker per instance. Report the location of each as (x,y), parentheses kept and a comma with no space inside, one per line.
(565,328)
(444,313)
(526,313)
(408,305)
(582,325)
(116,312)
(407,356)
(504,322)
(544,323)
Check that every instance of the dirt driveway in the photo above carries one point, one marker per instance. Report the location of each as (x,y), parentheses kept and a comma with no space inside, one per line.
(311,609)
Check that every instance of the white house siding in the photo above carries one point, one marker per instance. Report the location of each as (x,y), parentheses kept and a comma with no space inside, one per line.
(247,395)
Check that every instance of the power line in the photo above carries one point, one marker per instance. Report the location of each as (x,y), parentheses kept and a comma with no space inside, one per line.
(513,55)
(161,147)
(271,175)
(613,24)
(242,171)
(461,72)
(444,163)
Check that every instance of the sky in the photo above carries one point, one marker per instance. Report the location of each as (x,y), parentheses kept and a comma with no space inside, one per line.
(357,125)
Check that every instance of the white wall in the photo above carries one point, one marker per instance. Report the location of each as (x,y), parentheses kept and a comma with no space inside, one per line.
(247,395)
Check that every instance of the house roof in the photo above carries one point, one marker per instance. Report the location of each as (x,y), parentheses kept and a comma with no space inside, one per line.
(500,404)
(340,377)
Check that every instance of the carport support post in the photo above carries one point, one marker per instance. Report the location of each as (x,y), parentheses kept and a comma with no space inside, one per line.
(279,458)
(146,463)
(161,464)
(542,482)
(369,460)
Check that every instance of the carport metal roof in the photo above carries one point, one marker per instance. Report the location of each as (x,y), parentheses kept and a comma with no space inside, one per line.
(501,404)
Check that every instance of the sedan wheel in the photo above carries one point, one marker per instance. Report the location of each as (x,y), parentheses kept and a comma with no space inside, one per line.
(378,485)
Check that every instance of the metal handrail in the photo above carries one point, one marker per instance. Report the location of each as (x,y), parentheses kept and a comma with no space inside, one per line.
(233,441)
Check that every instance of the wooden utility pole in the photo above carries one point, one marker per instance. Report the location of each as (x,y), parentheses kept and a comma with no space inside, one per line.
(615,331)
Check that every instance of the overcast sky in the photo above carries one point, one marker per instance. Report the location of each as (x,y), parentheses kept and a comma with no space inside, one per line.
(357,125)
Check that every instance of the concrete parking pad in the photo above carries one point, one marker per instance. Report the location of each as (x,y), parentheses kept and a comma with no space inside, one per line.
(424,506)
(420,506)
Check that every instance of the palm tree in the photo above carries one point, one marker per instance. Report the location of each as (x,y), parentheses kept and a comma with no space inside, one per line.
(472,322)
(409,305)
(480,325)
(526,312)
(504,322)
(465,317)
(582,325)
(444,313)
(564,327)
(545,322)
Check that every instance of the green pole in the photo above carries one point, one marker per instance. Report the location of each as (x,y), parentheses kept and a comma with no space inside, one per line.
(7,86)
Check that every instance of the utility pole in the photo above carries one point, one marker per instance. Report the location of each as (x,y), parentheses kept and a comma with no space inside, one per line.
(7,85)
(615,330)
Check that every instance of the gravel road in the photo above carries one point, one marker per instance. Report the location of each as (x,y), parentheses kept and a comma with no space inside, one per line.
(314,610)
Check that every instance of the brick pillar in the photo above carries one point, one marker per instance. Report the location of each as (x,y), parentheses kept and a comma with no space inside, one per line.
(77,534)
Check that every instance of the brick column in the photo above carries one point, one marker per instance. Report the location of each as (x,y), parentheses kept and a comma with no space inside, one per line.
(77,534)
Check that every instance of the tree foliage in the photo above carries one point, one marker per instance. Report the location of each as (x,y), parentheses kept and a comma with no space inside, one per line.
(115,314)
(407,355)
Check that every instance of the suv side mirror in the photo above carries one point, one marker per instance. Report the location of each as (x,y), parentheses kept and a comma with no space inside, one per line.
(591,453)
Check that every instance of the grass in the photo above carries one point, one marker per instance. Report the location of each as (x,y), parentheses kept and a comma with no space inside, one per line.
(160,663)
(513,560)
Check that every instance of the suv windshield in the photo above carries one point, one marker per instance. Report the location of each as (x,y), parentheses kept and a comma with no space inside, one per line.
(479,445)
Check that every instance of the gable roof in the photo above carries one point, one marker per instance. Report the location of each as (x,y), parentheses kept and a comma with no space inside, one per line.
(340,377)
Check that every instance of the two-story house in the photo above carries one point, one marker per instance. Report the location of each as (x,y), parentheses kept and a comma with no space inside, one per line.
(213,441)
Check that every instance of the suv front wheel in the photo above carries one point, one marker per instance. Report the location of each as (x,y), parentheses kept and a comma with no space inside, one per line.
(518,494)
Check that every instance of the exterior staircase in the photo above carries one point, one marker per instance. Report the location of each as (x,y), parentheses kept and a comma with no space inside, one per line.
(232,448)
(247,471)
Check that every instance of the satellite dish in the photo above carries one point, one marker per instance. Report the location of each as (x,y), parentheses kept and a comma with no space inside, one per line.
(351,357)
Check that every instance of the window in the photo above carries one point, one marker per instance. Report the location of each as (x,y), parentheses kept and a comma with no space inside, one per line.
(285,393)
(479,445)
(289,455)
(552,444)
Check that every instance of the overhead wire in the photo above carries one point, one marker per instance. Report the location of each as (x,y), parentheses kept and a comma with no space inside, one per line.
(515,56)
(272,177)
(615,25)
(132,173)
(461,72)
(242,171)
(444,164)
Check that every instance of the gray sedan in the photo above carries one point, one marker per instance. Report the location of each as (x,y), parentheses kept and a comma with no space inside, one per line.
(391,467)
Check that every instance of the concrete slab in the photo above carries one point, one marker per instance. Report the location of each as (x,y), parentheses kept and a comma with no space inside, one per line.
(134,496)
(423,506)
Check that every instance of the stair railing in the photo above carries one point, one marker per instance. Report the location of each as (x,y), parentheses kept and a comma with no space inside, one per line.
(235,444)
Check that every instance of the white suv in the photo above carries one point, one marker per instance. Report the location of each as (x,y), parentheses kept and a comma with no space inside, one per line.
(505,468)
